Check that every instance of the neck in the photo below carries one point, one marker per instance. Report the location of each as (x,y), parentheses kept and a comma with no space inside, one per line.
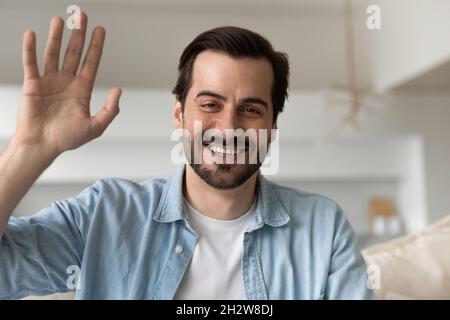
(218,204)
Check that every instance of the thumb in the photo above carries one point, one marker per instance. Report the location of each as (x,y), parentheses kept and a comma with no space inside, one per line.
(107,113)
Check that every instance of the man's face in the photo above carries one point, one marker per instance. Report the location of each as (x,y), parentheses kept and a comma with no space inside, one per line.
(227,93)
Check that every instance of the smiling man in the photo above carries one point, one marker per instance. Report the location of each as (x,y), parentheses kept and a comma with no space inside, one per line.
(215,229)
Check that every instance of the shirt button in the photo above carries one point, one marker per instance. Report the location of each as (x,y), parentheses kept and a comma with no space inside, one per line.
(178,249)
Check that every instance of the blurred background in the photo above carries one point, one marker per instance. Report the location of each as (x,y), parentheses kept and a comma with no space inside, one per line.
(366,124)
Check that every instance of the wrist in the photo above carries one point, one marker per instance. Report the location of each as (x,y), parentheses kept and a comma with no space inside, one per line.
(39,154)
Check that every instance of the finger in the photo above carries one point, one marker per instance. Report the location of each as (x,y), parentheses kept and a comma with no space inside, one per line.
(107,113)
(51,55)
(74,49)
(30,68)
(94,54)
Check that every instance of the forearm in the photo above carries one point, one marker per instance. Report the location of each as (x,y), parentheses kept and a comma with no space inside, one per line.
(20,166)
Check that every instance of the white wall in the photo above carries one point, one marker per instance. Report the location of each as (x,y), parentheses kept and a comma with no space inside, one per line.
(424,114)
(428,116)
(145,38)
(412,40)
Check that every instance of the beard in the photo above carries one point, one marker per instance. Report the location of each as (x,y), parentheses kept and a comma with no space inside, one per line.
(225,176)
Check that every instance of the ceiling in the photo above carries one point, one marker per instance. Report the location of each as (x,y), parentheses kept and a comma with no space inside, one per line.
(436,79)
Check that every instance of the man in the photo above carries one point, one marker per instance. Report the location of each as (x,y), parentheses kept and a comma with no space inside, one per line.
(212,230)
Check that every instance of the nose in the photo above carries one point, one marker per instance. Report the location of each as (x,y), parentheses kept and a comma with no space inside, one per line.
(225,124)
(227,120)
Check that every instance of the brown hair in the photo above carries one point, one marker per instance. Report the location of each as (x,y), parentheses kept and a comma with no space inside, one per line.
(236,42)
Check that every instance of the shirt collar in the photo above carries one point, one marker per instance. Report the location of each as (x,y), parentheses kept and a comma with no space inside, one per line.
(269,209)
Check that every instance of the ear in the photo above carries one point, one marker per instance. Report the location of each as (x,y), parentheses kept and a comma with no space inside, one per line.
(177,115)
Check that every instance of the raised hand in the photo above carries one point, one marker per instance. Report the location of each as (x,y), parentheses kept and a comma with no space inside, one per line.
(54,113)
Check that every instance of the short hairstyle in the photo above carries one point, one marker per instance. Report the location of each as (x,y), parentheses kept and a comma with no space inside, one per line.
(235,42)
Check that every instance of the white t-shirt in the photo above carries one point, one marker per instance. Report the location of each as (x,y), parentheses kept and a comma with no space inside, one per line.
(215,269)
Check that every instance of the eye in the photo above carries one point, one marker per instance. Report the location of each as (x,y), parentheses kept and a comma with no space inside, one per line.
(209,105)
(251,110)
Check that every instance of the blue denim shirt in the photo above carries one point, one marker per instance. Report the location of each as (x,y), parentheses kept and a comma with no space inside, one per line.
(132,241)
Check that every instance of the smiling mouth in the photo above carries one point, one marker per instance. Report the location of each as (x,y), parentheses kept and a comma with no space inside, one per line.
(223,150)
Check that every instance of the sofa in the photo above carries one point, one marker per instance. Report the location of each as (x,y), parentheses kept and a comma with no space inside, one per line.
(416,266)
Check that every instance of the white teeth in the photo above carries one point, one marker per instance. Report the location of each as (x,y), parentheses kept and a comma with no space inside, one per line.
(217,149)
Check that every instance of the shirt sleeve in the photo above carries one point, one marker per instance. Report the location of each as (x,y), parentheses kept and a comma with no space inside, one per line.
(40,253)
(347,278)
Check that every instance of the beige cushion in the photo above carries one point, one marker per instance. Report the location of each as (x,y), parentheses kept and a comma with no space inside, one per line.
(416,266)
(55,296)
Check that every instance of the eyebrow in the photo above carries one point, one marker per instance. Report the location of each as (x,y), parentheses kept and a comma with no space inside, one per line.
(211,94)
(255,100)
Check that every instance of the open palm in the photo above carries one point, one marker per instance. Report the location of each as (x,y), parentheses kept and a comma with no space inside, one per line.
(55,108)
